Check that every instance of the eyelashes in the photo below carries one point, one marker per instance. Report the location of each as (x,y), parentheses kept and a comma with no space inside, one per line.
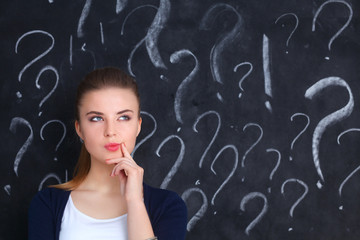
(99,118)
(95,119)
(124,118)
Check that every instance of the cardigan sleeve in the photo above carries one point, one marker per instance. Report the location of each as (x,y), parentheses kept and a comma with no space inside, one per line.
(45,213)
(172,224)
(168,214)
(41,221)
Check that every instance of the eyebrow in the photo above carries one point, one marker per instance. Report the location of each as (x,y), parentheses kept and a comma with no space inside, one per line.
(118,113)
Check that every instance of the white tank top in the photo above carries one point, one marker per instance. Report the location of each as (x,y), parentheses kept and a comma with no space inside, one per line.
(77,225)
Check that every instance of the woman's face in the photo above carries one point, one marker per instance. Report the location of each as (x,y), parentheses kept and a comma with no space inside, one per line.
(107,118)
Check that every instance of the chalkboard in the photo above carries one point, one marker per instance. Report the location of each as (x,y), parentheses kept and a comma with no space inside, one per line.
(250,108)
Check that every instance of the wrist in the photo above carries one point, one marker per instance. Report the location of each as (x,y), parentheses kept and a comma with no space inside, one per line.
(135,203)
(134,199)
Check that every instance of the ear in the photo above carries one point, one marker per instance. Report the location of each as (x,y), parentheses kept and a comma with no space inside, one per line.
(139,126)
(78,130)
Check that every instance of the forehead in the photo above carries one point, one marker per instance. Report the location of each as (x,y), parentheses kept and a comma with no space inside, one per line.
(112,97)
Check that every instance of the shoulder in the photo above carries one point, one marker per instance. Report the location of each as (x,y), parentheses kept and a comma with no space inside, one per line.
(51,194)
(157,196)
(45,213)
(161,202)
(167,212)
(51,198)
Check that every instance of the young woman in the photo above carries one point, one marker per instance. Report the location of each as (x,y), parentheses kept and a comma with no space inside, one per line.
(107,199)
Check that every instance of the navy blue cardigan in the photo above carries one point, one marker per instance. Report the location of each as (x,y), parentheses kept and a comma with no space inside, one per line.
(167,213)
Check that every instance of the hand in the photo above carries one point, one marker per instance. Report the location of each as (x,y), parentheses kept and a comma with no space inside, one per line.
(130,175)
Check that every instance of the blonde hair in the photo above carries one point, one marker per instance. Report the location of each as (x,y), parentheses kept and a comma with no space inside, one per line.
(96,80)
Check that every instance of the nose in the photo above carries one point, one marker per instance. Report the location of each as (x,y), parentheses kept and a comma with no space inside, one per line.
(109,130)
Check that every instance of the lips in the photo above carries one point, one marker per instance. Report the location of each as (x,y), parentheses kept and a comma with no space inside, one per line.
(112,147)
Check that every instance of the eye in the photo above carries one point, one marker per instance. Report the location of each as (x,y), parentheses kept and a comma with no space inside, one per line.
(96,119)
(124,118)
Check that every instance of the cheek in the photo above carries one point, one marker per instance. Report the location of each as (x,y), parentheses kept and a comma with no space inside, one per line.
(131,139)
(89,142)
(136,131)
(90,133)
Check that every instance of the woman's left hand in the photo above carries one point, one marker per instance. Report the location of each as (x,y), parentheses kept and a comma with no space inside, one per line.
(130,175)
(131,185)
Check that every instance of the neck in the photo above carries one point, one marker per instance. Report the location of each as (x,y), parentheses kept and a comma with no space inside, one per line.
(99,179)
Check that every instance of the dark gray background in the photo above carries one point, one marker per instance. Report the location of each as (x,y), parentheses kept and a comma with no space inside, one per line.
(192,60)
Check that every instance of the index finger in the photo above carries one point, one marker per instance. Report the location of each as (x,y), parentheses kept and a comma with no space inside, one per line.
(125,151)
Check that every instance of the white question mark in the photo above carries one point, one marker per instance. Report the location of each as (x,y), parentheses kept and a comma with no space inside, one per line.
(154,31)
(296,25)
(52,175)
(341,29)
(180,92)
(13,126)
(300,198)
(232,171)
(254,144)
(329,120)
(201,212)
(354,171)
(38,57)
(215,134)
(139,43)
(245,200)
(62,137)
(47,68)
(177,163)
(215,55)
(301,132)
(277,163)
(149,135)
(245,76)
